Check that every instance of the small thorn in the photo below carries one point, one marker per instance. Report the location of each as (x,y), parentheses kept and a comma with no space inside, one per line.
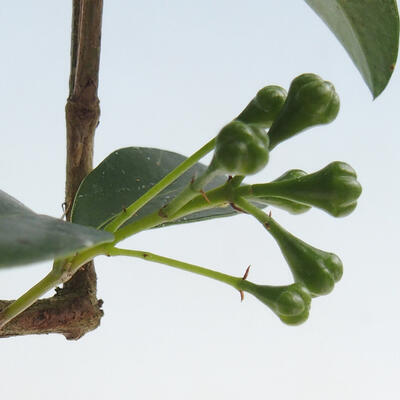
(241,295)
(270,214)
(267,226)
(246,274)
(145,255)
(230,177)
(235,207)
(123,209)
(108,255)
(203,193)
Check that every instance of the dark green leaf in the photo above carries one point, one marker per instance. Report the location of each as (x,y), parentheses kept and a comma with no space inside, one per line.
(369,31)
(26,237)
(127,174)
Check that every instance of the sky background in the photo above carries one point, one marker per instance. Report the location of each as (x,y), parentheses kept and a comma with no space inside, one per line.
(172,74)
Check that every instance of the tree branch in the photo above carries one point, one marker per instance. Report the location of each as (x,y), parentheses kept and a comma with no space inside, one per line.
(68,312)
(74,310)
(82,110)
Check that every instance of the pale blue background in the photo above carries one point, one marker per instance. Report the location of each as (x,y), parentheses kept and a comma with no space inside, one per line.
(172,74)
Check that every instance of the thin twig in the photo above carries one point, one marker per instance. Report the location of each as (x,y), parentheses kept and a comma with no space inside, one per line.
(74,310)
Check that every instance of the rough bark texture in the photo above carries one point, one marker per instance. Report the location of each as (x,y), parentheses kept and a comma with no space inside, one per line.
(70,312)
(74,310)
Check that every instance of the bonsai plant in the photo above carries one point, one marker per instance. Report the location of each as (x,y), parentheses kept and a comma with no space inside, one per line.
(108,206)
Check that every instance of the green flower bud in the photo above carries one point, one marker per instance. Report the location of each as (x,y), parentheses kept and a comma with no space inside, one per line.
(241,149)
(264,108)
(334,189)
(311,101)
(317,270)
(290,303)
(285,204)
(291,174)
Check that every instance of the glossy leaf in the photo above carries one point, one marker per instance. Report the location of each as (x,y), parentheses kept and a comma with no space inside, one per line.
(369,31)
(27,237)
(127,174)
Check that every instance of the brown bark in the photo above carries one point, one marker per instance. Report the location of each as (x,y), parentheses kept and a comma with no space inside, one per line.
(74,310)
(70,312)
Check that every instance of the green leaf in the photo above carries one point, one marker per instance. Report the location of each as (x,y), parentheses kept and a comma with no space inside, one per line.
(369,31)
(127,174)
(27,237)
(10,206)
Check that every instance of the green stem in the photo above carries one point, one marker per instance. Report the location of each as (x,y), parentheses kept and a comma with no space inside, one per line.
(246,206)
(147,222)
(144,255)
(272,189)
(216,198)
(221,196)
(237,180)
(50,281)
(189,193)
(86,256)
(124,215)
